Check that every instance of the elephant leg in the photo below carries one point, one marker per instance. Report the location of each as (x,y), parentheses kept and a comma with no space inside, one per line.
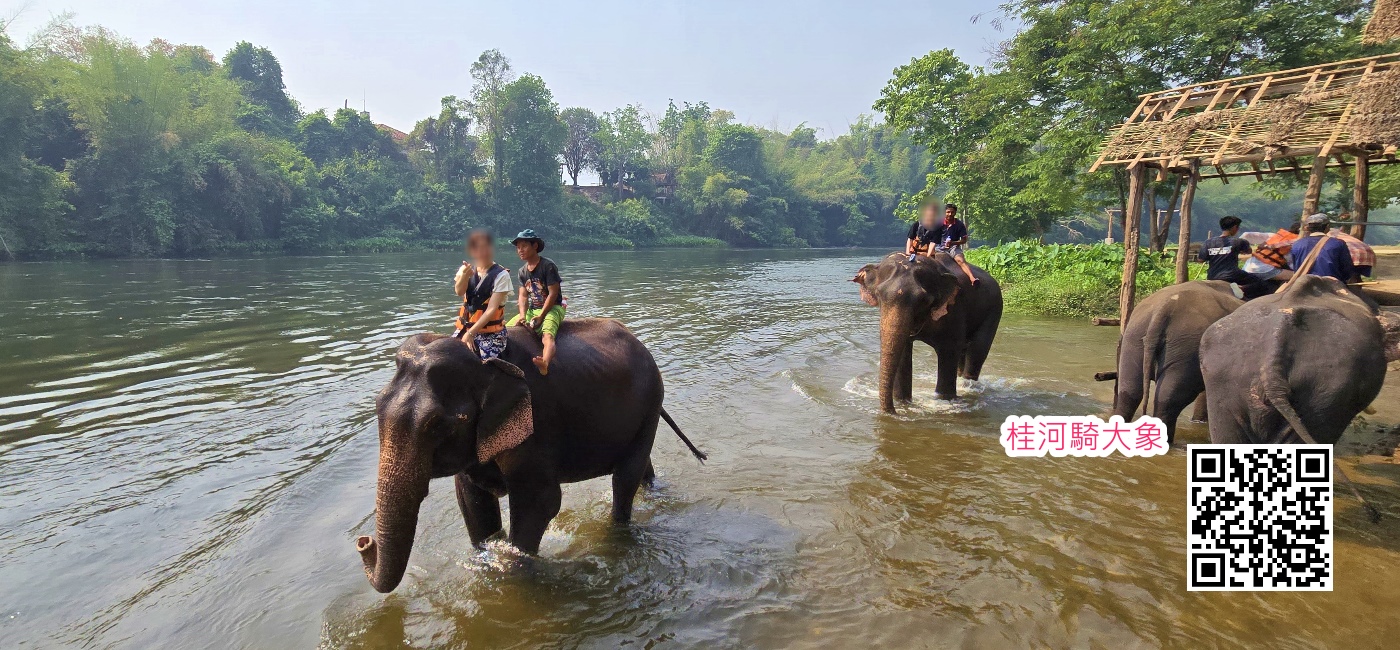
(947,387)
(1176,389)
(1200,413)
(649,478)
(904,376)
(978,347)
(532,506)
(480,509)
(627,477)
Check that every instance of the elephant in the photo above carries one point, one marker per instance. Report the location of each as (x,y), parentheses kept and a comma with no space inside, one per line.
(1162,344)
(1296,366)
(501,429)
(930,300)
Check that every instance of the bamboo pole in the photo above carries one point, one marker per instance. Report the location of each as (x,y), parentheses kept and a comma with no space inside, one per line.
(1314,192)
(1183,235)
(1361,196)
(1132,224)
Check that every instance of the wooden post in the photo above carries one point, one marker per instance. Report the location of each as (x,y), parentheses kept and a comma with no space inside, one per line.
(1361,195)
(1314,192)
(1132,224)
(1183,236)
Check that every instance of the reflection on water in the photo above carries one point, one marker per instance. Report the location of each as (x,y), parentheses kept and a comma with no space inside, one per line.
(187,451)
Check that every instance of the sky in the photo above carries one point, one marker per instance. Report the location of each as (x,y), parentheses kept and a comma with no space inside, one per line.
(773,63)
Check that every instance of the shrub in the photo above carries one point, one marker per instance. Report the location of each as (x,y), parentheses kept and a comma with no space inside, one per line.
(1070,279)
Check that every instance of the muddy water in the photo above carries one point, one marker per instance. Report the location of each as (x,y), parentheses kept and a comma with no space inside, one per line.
(187,452)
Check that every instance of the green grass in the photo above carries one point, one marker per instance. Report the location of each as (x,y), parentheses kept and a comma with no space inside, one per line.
(1071,279)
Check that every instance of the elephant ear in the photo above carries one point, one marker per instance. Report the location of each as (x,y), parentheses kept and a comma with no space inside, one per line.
(945,293)
(863,278)
(507,418)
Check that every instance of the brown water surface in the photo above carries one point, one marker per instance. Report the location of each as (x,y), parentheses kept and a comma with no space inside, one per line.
(188,448)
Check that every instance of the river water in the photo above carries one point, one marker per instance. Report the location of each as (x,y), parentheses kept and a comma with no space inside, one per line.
(188,449)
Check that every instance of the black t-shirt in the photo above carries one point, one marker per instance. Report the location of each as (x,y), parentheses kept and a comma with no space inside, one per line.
(938,234)
(537,282)
(1223,255)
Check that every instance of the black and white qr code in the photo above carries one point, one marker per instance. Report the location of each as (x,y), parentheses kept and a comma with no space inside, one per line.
(1259,518)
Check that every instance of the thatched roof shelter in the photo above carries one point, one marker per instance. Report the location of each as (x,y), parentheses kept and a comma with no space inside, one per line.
(1384,25)
(1261,124)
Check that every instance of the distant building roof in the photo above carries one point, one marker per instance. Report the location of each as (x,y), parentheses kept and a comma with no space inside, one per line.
(398,136)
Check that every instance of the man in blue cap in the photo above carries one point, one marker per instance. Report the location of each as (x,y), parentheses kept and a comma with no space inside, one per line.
(541,299)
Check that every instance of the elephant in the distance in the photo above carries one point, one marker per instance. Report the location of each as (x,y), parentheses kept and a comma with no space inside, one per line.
(930,300)
(1162,344)
(499,428)
(1297,366)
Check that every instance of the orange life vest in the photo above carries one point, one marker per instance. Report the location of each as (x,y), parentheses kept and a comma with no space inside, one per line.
(1274,252)
(477,298)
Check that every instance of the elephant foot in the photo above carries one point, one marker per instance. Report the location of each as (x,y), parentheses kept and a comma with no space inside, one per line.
(950,397)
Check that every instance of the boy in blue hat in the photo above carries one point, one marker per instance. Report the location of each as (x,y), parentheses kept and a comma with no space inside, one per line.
(541,299)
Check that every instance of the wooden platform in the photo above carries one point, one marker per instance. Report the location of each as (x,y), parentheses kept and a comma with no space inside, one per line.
(1385,292)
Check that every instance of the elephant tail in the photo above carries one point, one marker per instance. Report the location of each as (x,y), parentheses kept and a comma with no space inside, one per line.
(1151,344)
(699,455)
(1279,395)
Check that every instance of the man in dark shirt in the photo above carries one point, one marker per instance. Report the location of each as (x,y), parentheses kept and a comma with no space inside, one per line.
(1222,255)
(541,300)
(1334,260)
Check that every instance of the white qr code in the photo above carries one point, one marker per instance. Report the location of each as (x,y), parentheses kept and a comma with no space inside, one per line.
(1259,518)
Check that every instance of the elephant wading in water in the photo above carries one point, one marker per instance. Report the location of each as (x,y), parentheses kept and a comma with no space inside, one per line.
(930,300)
(499,428)
(1162,344)
(1297,366)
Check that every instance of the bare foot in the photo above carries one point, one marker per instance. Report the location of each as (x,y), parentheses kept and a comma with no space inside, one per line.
(541,365)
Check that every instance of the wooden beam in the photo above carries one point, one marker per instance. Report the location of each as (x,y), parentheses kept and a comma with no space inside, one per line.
(1361,197)
(1099,320)
(1183,236)
(1127,293)
(1314,191)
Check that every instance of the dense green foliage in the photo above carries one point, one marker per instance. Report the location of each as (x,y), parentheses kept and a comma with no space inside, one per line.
(1069,279)
(1012,141)
(110,148)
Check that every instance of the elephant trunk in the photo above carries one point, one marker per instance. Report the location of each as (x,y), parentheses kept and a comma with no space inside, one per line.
(403,484)
(895,343)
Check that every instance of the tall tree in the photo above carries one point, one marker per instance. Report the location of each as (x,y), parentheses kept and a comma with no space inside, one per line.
(622,142)
(492,74)
(532,136)
(269,108)
(581,145)
(447,143)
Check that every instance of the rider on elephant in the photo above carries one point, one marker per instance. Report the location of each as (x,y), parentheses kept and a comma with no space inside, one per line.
(483,285)
(1222,254)
(541,299)
(929,235)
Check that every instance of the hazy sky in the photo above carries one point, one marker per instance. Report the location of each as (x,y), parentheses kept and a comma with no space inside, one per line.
(774,63)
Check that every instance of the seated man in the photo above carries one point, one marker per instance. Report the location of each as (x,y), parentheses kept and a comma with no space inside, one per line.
(923,233)
(541,300)
(1270,259)
(1222,254)
(1333,260)
(1363,258)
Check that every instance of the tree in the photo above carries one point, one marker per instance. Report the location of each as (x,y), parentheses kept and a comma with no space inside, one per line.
(532,136)
(581,145)
(269,108)
(447,143)
(492,73)
(622,142)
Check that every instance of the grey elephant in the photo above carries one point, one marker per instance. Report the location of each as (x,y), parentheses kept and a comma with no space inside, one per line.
(500,428)
(1162,344)
(1297,366)
(930,300)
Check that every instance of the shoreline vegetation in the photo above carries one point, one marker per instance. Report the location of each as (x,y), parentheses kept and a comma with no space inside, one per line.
(109,148)
(1071,279)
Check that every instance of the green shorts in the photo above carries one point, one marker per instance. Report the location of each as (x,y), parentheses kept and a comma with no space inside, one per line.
(551,322)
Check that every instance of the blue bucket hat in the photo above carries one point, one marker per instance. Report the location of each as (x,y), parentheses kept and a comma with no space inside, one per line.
(528,234)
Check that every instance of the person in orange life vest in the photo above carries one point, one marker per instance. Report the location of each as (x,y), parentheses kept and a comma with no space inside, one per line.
(1270,259)
(484,286)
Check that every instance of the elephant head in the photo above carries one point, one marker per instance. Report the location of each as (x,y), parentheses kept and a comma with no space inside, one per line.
(910,295)
(445,411)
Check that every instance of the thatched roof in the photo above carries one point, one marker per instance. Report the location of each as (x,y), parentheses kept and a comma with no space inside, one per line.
(1384,25)
(1238,124)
